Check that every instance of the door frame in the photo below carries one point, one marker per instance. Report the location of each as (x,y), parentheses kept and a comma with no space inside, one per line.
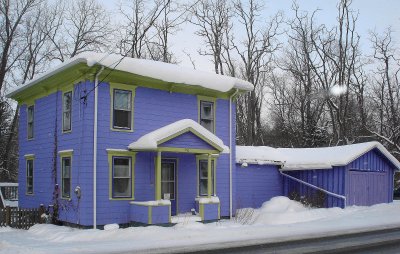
(176,161)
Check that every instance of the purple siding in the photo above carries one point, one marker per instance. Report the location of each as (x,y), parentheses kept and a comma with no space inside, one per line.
(331,180)
(139,213)
(369,179)
(210,212)
(187,140)
(154,109)
(257,184)
(160,214)
(47,110)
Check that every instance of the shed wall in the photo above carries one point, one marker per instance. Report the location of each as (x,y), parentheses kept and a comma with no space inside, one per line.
(257,184)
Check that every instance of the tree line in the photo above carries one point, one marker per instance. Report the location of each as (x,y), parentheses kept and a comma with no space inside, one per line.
(314,85)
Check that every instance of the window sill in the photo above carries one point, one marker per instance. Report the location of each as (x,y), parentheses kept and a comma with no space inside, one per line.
(121,199)
(121,130)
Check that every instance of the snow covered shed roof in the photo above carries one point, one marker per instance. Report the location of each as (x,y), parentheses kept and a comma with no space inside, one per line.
(310,158)
(164,73)
(151,140)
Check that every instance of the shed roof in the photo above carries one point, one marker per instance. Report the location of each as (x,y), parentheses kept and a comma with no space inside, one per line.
(309,158)
(166,72)
(152,140)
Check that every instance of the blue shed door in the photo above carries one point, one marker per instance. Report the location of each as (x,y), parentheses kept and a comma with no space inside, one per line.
(168,182)
(368,188)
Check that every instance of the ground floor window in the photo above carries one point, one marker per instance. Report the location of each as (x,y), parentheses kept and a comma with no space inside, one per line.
(203,177)
(121,177)
(29,176)
(66,177)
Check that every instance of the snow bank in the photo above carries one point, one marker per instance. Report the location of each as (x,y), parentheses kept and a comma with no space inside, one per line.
(278,218)
(151,139)
(309,158)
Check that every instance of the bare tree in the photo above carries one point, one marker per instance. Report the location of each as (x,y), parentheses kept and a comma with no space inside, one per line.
(212,17)
(139,26)
(255,58)
(386,93)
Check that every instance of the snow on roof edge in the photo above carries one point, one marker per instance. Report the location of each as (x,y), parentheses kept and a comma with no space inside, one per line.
(288,165)
(152,69)
(150,140)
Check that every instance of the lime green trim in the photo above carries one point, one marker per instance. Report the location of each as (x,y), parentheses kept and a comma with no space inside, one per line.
(122,153)
(186,150)
(158,176)
(66,89)
(201,211)
(150,215)
(30,157)
(119,86)
(66,154)
(207,99)
(209,182)
(206,157)
(80,72)
(196,133)
(71,75)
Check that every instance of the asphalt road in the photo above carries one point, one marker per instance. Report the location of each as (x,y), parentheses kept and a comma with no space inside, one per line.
(381,241)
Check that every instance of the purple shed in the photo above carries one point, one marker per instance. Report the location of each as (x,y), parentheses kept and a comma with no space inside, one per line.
(359,174)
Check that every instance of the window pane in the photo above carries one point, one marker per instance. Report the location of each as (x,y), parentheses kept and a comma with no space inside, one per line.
(29,168)
(167,172)
(30,114)
(67,102)
(121,167)
(122,118)
(67,121)
(207,111)
(122,100)
(122,187)
(209,125)
(66,185)
(203,187)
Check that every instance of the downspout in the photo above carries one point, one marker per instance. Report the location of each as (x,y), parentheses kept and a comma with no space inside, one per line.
(96,81)
(315,187)
(230,151)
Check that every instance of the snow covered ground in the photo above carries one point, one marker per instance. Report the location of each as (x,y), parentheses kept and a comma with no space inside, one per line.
(277,220)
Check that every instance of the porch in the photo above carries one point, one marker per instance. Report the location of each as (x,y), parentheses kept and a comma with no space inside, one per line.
(185,164)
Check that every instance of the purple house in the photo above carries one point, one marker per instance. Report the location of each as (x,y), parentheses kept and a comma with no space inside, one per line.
(110,139)
(358,174)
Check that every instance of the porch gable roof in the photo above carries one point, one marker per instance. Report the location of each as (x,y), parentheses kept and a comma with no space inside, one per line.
(152,140)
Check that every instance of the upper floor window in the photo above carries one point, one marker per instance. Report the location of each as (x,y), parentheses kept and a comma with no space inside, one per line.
(67,110)
(66,177)
(30,118)
(122,109)
(207,118)
(29,176)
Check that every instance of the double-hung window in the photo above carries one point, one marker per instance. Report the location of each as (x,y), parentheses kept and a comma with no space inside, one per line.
(30,118)
(121,177)
(66,177)
(122,109)
(67,110)
(207,119)
(29,176)
(203,177)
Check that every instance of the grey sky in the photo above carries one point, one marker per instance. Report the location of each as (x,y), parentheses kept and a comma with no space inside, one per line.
(373,15)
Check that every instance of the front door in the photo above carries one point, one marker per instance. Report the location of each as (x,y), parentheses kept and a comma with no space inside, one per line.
(168,182)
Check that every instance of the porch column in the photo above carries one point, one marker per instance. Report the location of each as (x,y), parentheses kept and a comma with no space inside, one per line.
(209,182)
(158,176)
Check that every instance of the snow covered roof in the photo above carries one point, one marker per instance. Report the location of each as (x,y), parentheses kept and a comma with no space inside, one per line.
(310,158)
(151,140)
(167,72)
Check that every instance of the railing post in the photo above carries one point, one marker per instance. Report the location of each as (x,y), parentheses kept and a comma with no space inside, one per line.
(8,215)
(41,212)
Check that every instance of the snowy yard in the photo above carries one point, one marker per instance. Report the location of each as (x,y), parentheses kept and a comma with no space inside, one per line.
(279,219)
